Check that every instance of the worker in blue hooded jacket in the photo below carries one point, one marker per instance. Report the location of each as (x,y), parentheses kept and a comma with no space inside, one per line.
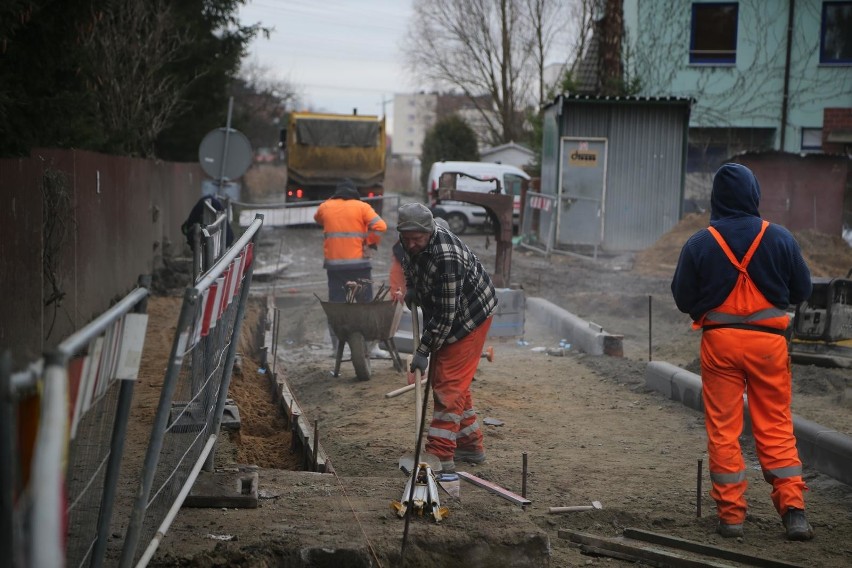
(736,279)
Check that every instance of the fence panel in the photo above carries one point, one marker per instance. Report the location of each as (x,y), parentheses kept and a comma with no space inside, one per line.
(192,399)
(302,213)
(63,427)
(538,225)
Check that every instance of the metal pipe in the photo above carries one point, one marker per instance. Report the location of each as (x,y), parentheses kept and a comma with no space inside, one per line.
(116,451)
(650,324)
(47,477)
(524,477)
(158,430)
(785,98)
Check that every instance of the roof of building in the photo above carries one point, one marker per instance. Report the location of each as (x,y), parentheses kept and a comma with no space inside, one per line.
(559,99)
(508,146)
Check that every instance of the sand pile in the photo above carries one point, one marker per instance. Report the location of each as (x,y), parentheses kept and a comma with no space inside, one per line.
(826,255)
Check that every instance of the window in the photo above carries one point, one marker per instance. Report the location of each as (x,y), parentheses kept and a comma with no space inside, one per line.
(811,139)
(714,34)
(835,38)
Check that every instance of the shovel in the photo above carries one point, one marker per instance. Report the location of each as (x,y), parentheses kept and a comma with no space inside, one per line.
(406,462)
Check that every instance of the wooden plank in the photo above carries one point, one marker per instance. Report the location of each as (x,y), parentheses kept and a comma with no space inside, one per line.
(697,547)
(496,489)
(655,556)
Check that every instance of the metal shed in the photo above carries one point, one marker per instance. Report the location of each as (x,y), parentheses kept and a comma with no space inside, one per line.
(615,166)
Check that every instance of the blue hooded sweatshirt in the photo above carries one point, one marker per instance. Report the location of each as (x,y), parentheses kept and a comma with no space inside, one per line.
(704,276)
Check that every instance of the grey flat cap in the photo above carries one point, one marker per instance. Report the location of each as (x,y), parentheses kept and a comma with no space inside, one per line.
(415,217)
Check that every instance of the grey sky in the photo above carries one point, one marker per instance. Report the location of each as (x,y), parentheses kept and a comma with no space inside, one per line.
(339,54)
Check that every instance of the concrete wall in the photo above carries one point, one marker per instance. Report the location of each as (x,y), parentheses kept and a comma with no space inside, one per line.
(76,231)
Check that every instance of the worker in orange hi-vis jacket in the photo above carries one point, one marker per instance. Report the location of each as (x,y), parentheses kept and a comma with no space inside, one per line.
(351,230)
(736,279)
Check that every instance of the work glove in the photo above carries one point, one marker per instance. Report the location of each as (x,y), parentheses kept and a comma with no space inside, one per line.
(419,362)
(409,298)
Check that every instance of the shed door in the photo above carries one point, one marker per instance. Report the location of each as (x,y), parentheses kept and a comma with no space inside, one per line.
(582,184)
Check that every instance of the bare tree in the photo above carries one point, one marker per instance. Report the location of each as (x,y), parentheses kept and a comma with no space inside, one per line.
(483,47)
(547,20)
(130,45)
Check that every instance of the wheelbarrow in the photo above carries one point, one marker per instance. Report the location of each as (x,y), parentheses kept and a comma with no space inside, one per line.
(359,324)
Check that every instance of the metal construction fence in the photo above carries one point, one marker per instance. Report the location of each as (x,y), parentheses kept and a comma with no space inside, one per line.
(302,212)
(193,395)
(209,238)
(538,226)
(63,428)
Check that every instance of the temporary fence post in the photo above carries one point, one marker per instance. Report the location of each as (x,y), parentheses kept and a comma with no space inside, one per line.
(119,435)
(158,430)
(46,535)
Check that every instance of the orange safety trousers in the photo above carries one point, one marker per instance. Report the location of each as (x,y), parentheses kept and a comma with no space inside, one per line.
(454,422)
(747,354)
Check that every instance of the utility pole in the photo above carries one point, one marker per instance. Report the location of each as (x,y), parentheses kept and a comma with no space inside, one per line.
(384,103)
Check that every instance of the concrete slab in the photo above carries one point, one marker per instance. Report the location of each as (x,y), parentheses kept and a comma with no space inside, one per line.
(824,449)
(236,488)
(583,335)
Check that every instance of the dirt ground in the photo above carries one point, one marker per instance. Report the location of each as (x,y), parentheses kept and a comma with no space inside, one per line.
(590,429)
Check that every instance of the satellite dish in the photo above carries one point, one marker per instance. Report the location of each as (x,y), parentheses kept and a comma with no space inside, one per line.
(213,153)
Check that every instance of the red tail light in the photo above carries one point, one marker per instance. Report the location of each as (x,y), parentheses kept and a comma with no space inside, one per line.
(371,194)
(299,193)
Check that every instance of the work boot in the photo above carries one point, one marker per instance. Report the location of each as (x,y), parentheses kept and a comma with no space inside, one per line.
(730,530)
(797,525)
(470,456)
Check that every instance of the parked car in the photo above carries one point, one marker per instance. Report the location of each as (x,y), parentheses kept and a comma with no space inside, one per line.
(460,215)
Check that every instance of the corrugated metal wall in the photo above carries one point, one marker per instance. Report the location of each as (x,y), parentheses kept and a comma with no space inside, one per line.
(645,164)
(120,215)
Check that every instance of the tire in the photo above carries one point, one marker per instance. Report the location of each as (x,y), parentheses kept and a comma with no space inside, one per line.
(457,223)
(360,357)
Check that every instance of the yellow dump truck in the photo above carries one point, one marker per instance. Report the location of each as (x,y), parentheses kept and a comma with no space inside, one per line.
(323,149)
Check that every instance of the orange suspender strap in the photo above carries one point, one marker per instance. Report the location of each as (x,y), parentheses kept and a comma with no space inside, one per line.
(730,320)
(739,265)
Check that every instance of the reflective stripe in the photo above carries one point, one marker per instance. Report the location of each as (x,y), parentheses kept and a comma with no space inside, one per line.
(442,433)
(349,263)
(374,221)
(446,417)
(783,472)
(469,413)
(345,235)
(726,478)
(469,430)
(721,317)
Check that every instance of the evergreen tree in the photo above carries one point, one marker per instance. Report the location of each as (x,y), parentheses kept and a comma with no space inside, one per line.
(451,138)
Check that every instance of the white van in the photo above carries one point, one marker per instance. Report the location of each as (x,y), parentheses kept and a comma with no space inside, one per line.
(459,215)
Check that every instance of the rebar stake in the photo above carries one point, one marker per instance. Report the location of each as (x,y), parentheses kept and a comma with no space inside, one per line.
(698,490)
(524,477)
(316,443)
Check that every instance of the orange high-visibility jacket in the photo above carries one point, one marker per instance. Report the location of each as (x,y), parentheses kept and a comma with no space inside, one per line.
(348,226)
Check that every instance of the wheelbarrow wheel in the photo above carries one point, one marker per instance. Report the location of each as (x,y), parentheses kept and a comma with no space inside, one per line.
(360,356)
